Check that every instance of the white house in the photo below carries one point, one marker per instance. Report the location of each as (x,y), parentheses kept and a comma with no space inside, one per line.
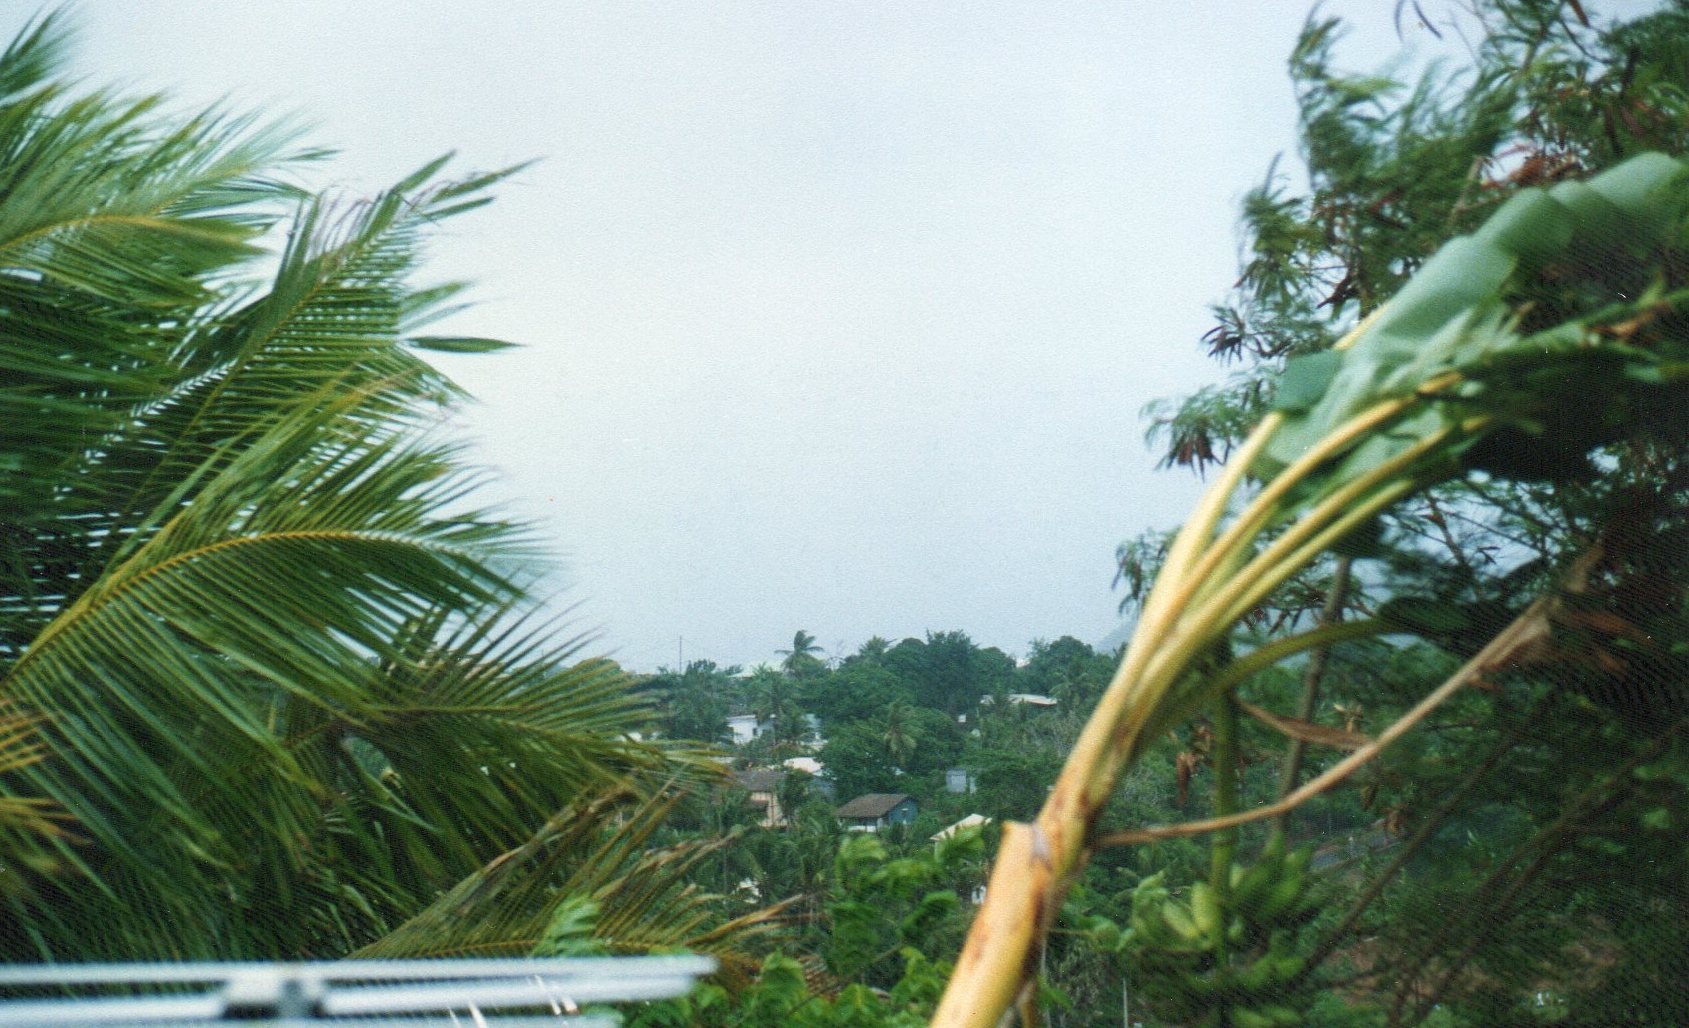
(746,727)
(960,780)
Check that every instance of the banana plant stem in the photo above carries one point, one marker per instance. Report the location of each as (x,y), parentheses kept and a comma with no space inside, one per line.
(1168,596)
(1331,613)
(1223,849)
(1263,575)
(1038,862)
(1262,657)
(1260,512)
(1529,629)
(1200,628)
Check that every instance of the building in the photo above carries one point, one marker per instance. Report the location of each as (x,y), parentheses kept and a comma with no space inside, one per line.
(877,810)
(1028,699)
(960,780)
(820,783)
(746,727)
(1022,699)
(971,821)
(764,787)
(808,765)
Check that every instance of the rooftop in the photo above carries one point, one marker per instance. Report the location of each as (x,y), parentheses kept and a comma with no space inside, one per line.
(761,780)
(874,804)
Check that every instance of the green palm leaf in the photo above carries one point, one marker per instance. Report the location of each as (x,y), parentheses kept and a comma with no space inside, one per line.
(273,682)
(591,857)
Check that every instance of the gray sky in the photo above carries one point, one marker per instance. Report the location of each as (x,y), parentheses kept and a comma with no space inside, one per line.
(837,316)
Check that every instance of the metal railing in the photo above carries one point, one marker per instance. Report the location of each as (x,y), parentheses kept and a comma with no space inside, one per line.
(504,993)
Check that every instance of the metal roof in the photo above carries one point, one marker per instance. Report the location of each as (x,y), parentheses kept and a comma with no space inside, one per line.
(761,780)
(874,804)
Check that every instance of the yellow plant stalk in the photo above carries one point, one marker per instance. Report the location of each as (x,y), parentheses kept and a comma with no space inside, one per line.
(1037,863)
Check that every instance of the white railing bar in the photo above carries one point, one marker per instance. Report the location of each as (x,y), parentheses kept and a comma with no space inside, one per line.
(55,1013)
(493,994)
(355,970)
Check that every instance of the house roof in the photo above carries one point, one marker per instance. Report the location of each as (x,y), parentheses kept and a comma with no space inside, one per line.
(763,780)
(1029,698)
(967,822)
(1032,699)
(874,804)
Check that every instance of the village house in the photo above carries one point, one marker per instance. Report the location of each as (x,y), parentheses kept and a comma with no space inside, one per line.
(764,787)
(877,810)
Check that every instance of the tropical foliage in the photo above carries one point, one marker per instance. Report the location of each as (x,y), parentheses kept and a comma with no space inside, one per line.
(273,684)
(1521,385)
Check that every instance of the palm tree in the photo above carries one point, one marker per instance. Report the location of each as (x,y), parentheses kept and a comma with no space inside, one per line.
(773,700)
(801,659)
(280,685)
(899,732)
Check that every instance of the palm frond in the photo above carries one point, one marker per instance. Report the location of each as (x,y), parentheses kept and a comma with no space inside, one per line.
(272,682)
(20,747)
(597,852)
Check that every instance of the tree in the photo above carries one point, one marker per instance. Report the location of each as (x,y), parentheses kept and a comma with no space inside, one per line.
(857,691)
(774,699)
(947,671)
(898,732)
(883,923)
(857,761)
(1066,669)
(286,684)
(873,651)
(1456,390)
(801,660)
(697,702)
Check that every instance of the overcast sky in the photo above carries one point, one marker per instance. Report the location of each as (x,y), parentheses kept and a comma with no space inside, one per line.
(835,316)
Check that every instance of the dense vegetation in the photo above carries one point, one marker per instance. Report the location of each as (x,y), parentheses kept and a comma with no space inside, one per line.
(272,689)
(1458,420)
(269,686)
(874,919)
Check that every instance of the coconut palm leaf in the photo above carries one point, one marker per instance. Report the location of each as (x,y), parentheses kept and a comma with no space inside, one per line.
(20,747)
(590,864)
(163,674)
(333,321)
(277,670)
(115,228)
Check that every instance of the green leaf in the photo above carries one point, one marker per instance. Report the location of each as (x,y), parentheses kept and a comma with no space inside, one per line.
(1305,380)
(932,910)
(1423,616)
(459,344)
(1464,272)
(570,930)
(1649,190)
(1531,225)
